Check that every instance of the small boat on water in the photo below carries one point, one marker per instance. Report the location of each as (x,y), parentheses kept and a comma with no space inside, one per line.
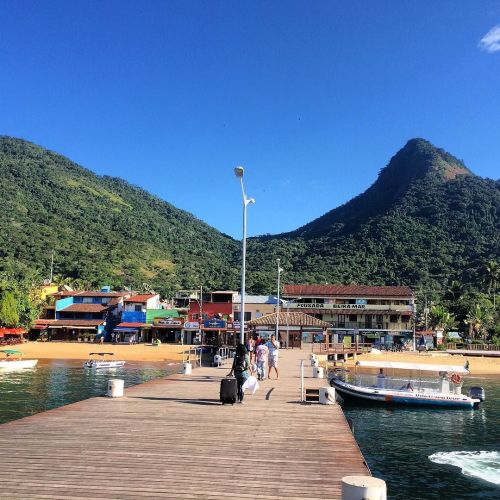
(13,360)
(421,384)
(95,363)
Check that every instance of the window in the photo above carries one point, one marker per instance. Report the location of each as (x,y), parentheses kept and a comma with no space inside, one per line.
(237,316)
(380,318)
(393,318)
(353,317)
(195,317)
(87,300)
(341,320)
(138,308)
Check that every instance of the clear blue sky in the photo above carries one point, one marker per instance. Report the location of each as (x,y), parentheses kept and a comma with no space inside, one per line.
(312,97)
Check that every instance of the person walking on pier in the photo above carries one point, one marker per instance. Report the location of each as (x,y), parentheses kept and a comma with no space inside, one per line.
(261,355)
(240,368)
(273,346)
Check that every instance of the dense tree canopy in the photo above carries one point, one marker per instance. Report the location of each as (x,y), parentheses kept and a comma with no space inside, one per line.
(427,222)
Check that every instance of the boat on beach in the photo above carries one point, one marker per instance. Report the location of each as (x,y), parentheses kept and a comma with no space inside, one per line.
(410,384)
(13,360)
(96,363)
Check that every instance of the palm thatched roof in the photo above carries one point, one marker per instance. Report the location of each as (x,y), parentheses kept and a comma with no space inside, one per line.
(289,318)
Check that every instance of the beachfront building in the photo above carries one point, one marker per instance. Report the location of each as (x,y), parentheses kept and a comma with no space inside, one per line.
(213,314)
(133,324)
(295,328)
(380,315)
(83,315)
(10,336)
(145,319)
(256,306)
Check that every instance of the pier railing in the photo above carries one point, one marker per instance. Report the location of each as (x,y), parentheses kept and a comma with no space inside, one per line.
(193,355)
(338,348)
(473,347)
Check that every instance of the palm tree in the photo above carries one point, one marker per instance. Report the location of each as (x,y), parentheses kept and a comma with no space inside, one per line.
(492,275)
(455,291)
(478,319)
(441,319)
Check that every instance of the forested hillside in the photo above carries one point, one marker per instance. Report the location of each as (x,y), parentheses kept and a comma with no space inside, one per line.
(425,222)
(102,229)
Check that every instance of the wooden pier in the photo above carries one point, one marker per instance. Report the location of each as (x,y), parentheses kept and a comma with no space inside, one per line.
(170,438)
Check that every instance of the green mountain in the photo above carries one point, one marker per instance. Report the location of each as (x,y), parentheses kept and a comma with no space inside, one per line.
(426,221)
(102,229)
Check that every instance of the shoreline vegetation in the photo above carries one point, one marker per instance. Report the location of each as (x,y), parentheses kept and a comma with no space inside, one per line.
(174,352)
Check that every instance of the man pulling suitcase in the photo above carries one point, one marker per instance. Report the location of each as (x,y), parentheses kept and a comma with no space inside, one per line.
(240,368)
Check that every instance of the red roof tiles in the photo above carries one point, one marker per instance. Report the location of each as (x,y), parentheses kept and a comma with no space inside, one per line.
(85,308)
(69,322)
(347,291)
(140,297)
(91,294)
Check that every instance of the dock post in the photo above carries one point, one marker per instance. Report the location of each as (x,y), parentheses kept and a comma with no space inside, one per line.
(115,388)
(363,488)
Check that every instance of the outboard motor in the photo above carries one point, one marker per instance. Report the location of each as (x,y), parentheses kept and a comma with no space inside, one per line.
(477,393)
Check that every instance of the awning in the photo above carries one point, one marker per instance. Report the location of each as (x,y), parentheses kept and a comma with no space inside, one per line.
(122,329)
(74,327)
(133,325)
(169,327)
(12,331)
(412,366)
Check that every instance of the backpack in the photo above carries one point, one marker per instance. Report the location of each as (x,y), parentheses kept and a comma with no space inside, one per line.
(240,364)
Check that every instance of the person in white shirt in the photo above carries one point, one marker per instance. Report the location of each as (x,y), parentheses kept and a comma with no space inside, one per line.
(273,346)
(261,356)
(381,379)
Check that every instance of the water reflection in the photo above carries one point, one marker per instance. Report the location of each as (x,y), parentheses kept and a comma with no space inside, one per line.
(56,383)
(397,443)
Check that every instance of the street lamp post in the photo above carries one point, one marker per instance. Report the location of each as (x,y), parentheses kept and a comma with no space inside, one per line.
(239,171)
(280,270)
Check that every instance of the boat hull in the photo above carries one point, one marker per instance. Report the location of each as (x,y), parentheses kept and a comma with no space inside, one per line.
(18,364)
(103,365)
(380,396)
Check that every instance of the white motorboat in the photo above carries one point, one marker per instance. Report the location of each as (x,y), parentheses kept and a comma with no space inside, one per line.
(99,364)
(416,387)
(13,360)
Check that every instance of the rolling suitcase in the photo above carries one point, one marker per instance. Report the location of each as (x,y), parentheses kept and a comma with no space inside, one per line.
(228,391)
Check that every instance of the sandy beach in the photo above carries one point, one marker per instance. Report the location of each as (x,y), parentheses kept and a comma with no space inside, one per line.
(75,350)
(477,365)
(174,352)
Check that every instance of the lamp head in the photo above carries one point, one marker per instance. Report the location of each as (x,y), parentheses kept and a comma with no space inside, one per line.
(239,171)
(250,201)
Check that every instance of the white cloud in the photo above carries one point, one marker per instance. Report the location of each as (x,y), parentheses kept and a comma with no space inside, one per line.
(491,41)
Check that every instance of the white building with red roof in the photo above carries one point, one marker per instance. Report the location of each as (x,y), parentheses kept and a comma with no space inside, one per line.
(363,313)
(141,302)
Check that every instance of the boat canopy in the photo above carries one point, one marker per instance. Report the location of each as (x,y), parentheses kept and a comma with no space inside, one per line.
(10,352)
(412,366)
(102,353)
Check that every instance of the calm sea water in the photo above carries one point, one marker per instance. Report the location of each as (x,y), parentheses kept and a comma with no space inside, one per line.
(57,383)
(433,453)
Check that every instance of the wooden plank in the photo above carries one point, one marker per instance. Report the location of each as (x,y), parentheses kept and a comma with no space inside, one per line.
(170,438)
